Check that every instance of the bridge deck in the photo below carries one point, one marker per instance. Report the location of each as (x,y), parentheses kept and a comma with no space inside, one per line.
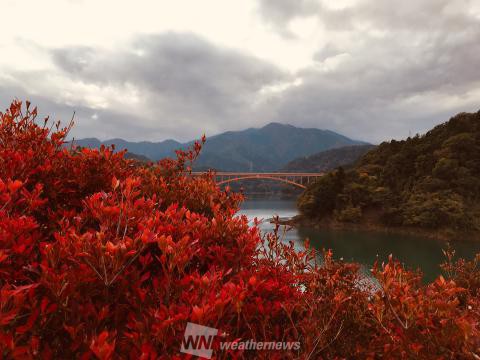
(226,173)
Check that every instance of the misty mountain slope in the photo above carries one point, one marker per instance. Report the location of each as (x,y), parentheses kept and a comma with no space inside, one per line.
(254,149)
(329,159)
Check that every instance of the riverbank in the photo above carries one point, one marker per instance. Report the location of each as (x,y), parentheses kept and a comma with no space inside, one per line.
(371,226)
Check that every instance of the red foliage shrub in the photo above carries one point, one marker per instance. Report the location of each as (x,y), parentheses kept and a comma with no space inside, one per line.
(103,258)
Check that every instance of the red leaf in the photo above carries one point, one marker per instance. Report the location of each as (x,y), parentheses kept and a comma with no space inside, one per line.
(14,186)
(31,320)
(101,348)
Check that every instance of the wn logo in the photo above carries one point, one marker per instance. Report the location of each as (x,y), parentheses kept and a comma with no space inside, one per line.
(198,340)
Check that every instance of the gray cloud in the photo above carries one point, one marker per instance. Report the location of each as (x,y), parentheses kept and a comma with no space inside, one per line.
(183,80)
(327,51)
(279,13)
(395,69)
(108,124)
(409,15)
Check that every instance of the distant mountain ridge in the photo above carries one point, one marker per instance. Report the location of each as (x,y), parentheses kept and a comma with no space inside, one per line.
(329,159)
(255,149)
(151,150)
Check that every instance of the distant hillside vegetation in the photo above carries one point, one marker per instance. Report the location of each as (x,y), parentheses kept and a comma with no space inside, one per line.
(130,155)
(265,149)
(430,181)
(329,159)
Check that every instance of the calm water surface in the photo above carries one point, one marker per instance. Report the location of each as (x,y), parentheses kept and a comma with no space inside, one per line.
(363,247)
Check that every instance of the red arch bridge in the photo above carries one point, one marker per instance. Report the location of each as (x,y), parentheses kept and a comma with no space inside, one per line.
(300,180)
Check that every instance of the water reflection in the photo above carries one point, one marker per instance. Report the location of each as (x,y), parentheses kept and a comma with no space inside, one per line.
(363,247)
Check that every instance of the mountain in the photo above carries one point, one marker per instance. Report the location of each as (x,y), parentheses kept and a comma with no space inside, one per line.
(429,182)
(254,149)
(267,148)
(151,150)
(329,159)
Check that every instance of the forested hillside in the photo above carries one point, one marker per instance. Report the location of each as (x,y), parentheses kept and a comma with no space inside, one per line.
(430,181)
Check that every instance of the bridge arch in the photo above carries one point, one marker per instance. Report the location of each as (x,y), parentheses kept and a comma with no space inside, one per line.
(262,177)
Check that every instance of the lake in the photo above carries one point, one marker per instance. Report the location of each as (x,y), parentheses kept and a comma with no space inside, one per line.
(361,246)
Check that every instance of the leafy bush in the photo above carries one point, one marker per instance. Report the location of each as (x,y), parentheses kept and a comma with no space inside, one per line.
(104,258)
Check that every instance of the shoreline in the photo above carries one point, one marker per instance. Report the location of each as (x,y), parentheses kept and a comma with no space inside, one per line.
(441,235)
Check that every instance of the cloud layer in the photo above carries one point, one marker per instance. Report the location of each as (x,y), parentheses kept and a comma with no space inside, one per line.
(373,71)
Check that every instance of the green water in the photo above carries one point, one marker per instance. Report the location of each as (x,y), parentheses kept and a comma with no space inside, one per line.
(362,247)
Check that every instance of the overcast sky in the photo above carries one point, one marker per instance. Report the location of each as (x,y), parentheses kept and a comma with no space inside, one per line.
(151,70)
